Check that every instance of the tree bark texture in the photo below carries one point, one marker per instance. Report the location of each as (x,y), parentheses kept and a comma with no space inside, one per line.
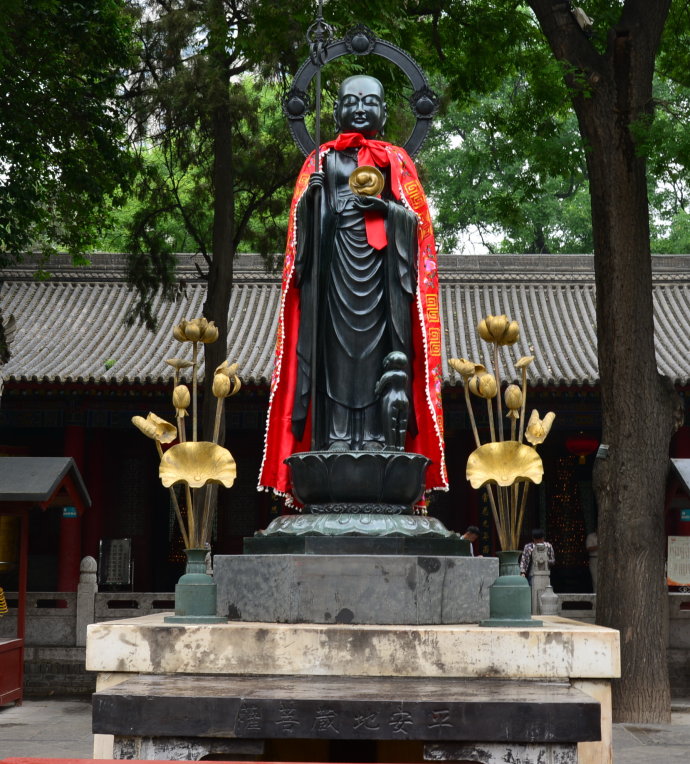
(612,92)
(220,274)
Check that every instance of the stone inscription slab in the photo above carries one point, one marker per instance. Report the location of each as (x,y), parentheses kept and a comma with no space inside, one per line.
(347,708)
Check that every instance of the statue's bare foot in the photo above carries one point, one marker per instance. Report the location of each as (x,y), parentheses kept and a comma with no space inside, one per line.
(372,445)
(339,445)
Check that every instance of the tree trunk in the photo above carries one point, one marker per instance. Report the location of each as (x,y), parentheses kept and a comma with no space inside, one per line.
(640,409)
(220,275)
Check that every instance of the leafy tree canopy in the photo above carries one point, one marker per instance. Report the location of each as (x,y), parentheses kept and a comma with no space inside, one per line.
(62,158)
(506,158)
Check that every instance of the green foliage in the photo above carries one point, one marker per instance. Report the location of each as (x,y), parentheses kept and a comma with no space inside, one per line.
(211,140)
(507,161)
(61,151)
(519,189)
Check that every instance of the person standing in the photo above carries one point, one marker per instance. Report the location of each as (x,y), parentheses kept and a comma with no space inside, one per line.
(538,537)
(471,535)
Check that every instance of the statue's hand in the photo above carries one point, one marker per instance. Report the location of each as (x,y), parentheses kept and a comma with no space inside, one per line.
(316,180)
(371,204)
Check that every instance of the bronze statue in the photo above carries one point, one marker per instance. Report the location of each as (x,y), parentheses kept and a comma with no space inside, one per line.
(373,292)
(364,290)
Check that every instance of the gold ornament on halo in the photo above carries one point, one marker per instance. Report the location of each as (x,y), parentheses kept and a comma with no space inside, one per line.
(155,428)
(504,463)
(367,181)
(197,464)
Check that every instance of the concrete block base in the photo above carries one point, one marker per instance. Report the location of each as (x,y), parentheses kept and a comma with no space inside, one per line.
(354,589)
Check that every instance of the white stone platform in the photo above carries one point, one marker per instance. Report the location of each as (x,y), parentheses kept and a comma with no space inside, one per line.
(584,655)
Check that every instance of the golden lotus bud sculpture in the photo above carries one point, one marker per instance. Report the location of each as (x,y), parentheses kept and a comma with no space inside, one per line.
(181,400)
(198,465)
(463,367)
(538,429)
(513,399)
(499,330)
(505,466)
(196,330)
(487,386)
(155,428)
(221,386)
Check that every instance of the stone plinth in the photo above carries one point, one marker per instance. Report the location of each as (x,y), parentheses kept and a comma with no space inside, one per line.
(357,589)
(561,650)
(580,656)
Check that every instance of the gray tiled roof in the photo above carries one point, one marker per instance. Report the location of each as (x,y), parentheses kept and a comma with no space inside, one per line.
(68,327)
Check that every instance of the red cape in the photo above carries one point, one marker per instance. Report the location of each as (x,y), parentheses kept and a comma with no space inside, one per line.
(427,336)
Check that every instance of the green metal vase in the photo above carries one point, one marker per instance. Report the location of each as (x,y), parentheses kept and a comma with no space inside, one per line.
(510,596)
(195,593)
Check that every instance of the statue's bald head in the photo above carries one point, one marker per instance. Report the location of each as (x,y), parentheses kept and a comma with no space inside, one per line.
(360,107)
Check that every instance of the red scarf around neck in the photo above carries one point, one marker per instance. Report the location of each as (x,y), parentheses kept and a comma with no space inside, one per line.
(371,152)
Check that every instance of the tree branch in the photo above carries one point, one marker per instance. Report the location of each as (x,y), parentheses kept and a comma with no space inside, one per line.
(568,42)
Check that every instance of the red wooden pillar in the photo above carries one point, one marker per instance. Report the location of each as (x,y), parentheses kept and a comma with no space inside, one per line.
(69,554)
(95,484)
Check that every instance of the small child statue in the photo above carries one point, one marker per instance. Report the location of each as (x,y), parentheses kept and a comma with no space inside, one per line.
(395,405)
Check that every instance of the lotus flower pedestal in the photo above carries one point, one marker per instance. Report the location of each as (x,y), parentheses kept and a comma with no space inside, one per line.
(195,593)
(366,494)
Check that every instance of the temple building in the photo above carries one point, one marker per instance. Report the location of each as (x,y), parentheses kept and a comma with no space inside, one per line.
(80,368)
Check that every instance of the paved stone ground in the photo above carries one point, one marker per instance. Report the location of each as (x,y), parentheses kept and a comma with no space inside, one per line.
(658,743)
(47,727)
(57,728)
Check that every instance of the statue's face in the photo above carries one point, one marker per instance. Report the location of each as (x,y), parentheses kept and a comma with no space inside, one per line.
(360,107)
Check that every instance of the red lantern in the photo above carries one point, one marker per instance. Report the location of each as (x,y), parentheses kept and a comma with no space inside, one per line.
(581,445)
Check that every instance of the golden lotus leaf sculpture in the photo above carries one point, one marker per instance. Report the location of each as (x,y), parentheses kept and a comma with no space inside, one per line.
(503,463)
(197,464)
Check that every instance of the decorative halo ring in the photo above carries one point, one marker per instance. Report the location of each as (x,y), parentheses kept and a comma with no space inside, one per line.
(361,41)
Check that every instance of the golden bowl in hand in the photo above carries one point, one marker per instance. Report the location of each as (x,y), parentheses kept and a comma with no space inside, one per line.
(367,181)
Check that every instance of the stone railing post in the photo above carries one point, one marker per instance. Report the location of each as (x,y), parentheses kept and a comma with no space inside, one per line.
(541,577)
(86,598)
